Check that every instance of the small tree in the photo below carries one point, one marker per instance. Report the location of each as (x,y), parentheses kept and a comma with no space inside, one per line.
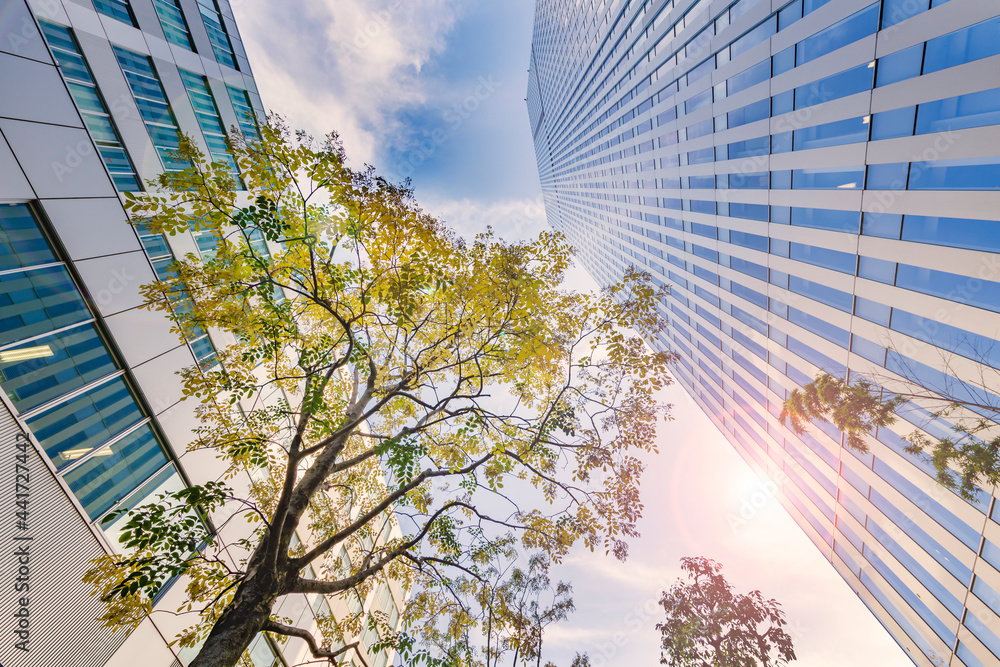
(962,462)
(415,374)
(708,625)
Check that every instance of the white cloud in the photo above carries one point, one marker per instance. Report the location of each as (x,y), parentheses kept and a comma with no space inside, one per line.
(348,65)
(511,219)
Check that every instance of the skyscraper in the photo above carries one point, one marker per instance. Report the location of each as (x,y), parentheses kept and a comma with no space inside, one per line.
(94,93)
(818,182)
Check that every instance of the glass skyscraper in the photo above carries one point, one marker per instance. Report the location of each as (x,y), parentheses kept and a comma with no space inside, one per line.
(818,182)
(93,94)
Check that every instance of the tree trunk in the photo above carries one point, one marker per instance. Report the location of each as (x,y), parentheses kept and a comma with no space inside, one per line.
(239,623)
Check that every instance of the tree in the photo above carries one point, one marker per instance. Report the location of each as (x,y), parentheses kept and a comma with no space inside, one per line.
(708,625)
(962,462)
(417,375)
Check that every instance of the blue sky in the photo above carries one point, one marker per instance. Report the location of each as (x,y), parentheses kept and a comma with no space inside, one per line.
(387,75)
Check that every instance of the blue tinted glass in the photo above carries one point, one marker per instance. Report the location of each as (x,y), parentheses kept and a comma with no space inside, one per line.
(872,310)
(831,259)
(749,114)
(821,218)
(899,66)
(783,61)
(954,232)
(855,80)
(894,11)
(781,142)
(983,632)
(842,33)
(782,103)
(877,269)
(963,531)
(827,179)
(104,480)
(935,176)
(822,293)
(73,429)
(746,240)
(953,339)
(955,113)
(912,599)
(911,632)
(952,563)
(753,38)
(752,181)
(749,148)
(962,46)
(698,101)
(38,371)
(749,268)
(942,383)
(38,301)
(749,211)
(888,176)
(749,77)
(867,349)
(21,241)
(820,327)
(885,225)
(892,124)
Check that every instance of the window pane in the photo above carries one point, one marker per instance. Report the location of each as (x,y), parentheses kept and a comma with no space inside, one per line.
(165,481)
(45,368)
(38,301)
(71,430)
(21,241)
(105,479)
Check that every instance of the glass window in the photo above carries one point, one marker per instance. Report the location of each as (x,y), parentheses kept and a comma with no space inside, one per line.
(88,99)
(891,176)
(912,599)
(821,218)
(75,428)
(855,80)
(38,301)
(749,77)
(749,148)
(955,113)
(985,294)
(749,114)
(113,472)
(983,632)
(822,293)
(820,327)
(165,481)
(244,112)
(892,124)
(977,174)
(854,27)
(962,46)
(899,66)
(42,369)
(22,243)
(217,32)
(821,178)
(885,225)
(830,259)
(152,104)
(953,232)
(118,9)
(895,11)
(172,21)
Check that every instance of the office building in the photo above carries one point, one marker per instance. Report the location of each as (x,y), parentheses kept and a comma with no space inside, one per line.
(818,182)
(94,93)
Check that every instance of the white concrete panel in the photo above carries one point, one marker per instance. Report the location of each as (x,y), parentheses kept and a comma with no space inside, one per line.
(19,34)
(142,334)
(85,19)
(35,91)
(91,227)
(122,34)
(158,377)
(50,11)
(13,184)
(144,646)
(159,48)
(58,161)
(114,281)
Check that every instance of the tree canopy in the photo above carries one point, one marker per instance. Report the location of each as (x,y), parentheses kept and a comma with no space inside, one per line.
(416,402)
(709,625)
